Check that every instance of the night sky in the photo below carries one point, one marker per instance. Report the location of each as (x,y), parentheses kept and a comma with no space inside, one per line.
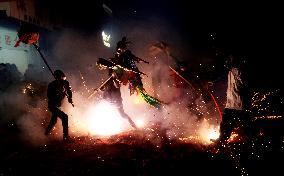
(253,30)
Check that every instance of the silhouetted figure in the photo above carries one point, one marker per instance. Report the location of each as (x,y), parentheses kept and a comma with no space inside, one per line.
(128,73)
(56,92)
(113,95)
(126,59)
(235,113)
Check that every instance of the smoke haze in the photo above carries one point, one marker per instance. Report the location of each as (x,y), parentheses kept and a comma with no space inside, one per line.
(76,55)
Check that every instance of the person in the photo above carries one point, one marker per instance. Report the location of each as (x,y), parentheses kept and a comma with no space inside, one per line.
(128,73)
(112,93)
(56,92)
(235,113)
(127,60)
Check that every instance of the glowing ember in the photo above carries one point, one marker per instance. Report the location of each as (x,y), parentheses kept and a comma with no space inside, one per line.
(207,132)
(213,134)
(28,89)
(193,139)
(268,117)
(104,119)
(204,137)
(234,136)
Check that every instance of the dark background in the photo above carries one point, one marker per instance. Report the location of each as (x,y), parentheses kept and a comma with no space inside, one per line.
(253,30)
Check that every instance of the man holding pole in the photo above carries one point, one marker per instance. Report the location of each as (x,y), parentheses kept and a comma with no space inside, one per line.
(56,92)
(57,89)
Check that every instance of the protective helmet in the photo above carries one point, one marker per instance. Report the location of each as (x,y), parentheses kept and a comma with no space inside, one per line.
(59,74)
(122,44)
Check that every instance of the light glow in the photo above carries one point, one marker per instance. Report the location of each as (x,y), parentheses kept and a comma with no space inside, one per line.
(104,119)
(106,39)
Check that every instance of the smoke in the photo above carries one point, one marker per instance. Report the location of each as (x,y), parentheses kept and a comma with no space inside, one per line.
(9,99)
(76,55)
(26,114)
(32,128)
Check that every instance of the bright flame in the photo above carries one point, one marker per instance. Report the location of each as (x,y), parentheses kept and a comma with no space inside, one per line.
(208,132)
(213,134)
(104,119)
(234,136)
(140,123)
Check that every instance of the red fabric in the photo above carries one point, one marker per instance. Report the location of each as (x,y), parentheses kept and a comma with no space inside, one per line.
(28,38)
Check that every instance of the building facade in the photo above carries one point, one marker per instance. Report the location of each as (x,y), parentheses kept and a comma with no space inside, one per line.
(12,14)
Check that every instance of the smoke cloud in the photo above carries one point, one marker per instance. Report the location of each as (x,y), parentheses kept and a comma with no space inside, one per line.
(76,54)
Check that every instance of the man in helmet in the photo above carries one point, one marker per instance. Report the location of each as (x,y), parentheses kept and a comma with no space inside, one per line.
(56,92)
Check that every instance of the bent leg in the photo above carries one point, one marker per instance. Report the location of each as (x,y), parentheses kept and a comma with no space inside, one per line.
(126,116)
(64,119)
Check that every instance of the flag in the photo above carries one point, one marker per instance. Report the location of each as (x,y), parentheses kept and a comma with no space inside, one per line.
(27,34)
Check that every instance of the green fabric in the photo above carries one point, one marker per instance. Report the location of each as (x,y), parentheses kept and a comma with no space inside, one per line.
(149,99)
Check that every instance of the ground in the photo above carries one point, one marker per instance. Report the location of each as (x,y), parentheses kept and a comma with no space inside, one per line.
(132,154)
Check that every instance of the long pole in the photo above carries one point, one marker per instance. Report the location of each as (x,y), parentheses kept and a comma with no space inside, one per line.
(211,95)
(37,48)
(182,78)
(163,48)
(96,90)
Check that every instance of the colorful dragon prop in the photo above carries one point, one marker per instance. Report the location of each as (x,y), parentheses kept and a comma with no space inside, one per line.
(131,77)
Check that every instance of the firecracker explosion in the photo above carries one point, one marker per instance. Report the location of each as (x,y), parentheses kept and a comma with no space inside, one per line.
(143,100)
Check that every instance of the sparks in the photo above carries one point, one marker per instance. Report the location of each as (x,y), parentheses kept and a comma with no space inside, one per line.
(104,119)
